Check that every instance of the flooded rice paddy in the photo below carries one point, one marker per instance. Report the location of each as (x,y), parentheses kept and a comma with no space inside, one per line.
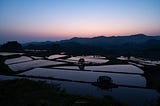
(113,68)
(33,64)
(86,76)
(133,86)
(18,60)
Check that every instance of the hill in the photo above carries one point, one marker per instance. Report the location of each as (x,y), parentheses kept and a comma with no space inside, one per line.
(135,45)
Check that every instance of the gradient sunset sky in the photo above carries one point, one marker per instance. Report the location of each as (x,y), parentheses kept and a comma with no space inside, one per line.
(40,20)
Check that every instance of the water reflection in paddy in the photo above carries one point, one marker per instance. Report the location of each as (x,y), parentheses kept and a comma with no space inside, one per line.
(33,64)
(16,60)
(131,96)
(113,68)
(128,79)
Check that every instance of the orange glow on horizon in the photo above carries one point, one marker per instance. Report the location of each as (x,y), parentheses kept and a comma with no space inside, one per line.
(78,30)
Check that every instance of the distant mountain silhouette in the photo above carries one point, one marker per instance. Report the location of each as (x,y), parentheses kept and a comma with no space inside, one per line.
(114,45)
(39,45)
(121,45)
(113,40)
(11,46)
(135,45)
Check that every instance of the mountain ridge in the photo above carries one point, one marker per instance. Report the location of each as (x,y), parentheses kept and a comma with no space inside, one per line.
(112,40)
(133,45)
(142,36)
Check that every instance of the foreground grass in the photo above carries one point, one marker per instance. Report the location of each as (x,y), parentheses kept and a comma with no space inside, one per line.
(23,92)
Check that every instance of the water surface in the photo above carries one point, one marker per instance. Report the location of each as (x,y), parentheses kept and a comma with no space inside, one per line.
(131,96)
(33,64)
(16,60)
(88,76)
(114,68)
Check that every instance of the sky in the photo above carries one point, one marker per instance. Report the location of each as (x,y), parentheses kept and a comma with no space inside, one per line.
(40,20)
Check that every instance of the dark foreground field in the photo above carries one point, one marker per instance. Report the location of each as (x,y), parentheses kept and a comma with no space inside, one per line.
(22,92)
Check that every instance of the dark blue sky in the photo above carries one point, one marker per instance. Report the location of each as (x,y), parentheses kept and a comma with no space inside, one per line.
(26,20)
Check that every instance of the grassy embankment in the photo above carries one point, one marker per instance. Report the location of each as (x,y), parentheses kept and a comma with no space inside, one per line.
(22,92)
